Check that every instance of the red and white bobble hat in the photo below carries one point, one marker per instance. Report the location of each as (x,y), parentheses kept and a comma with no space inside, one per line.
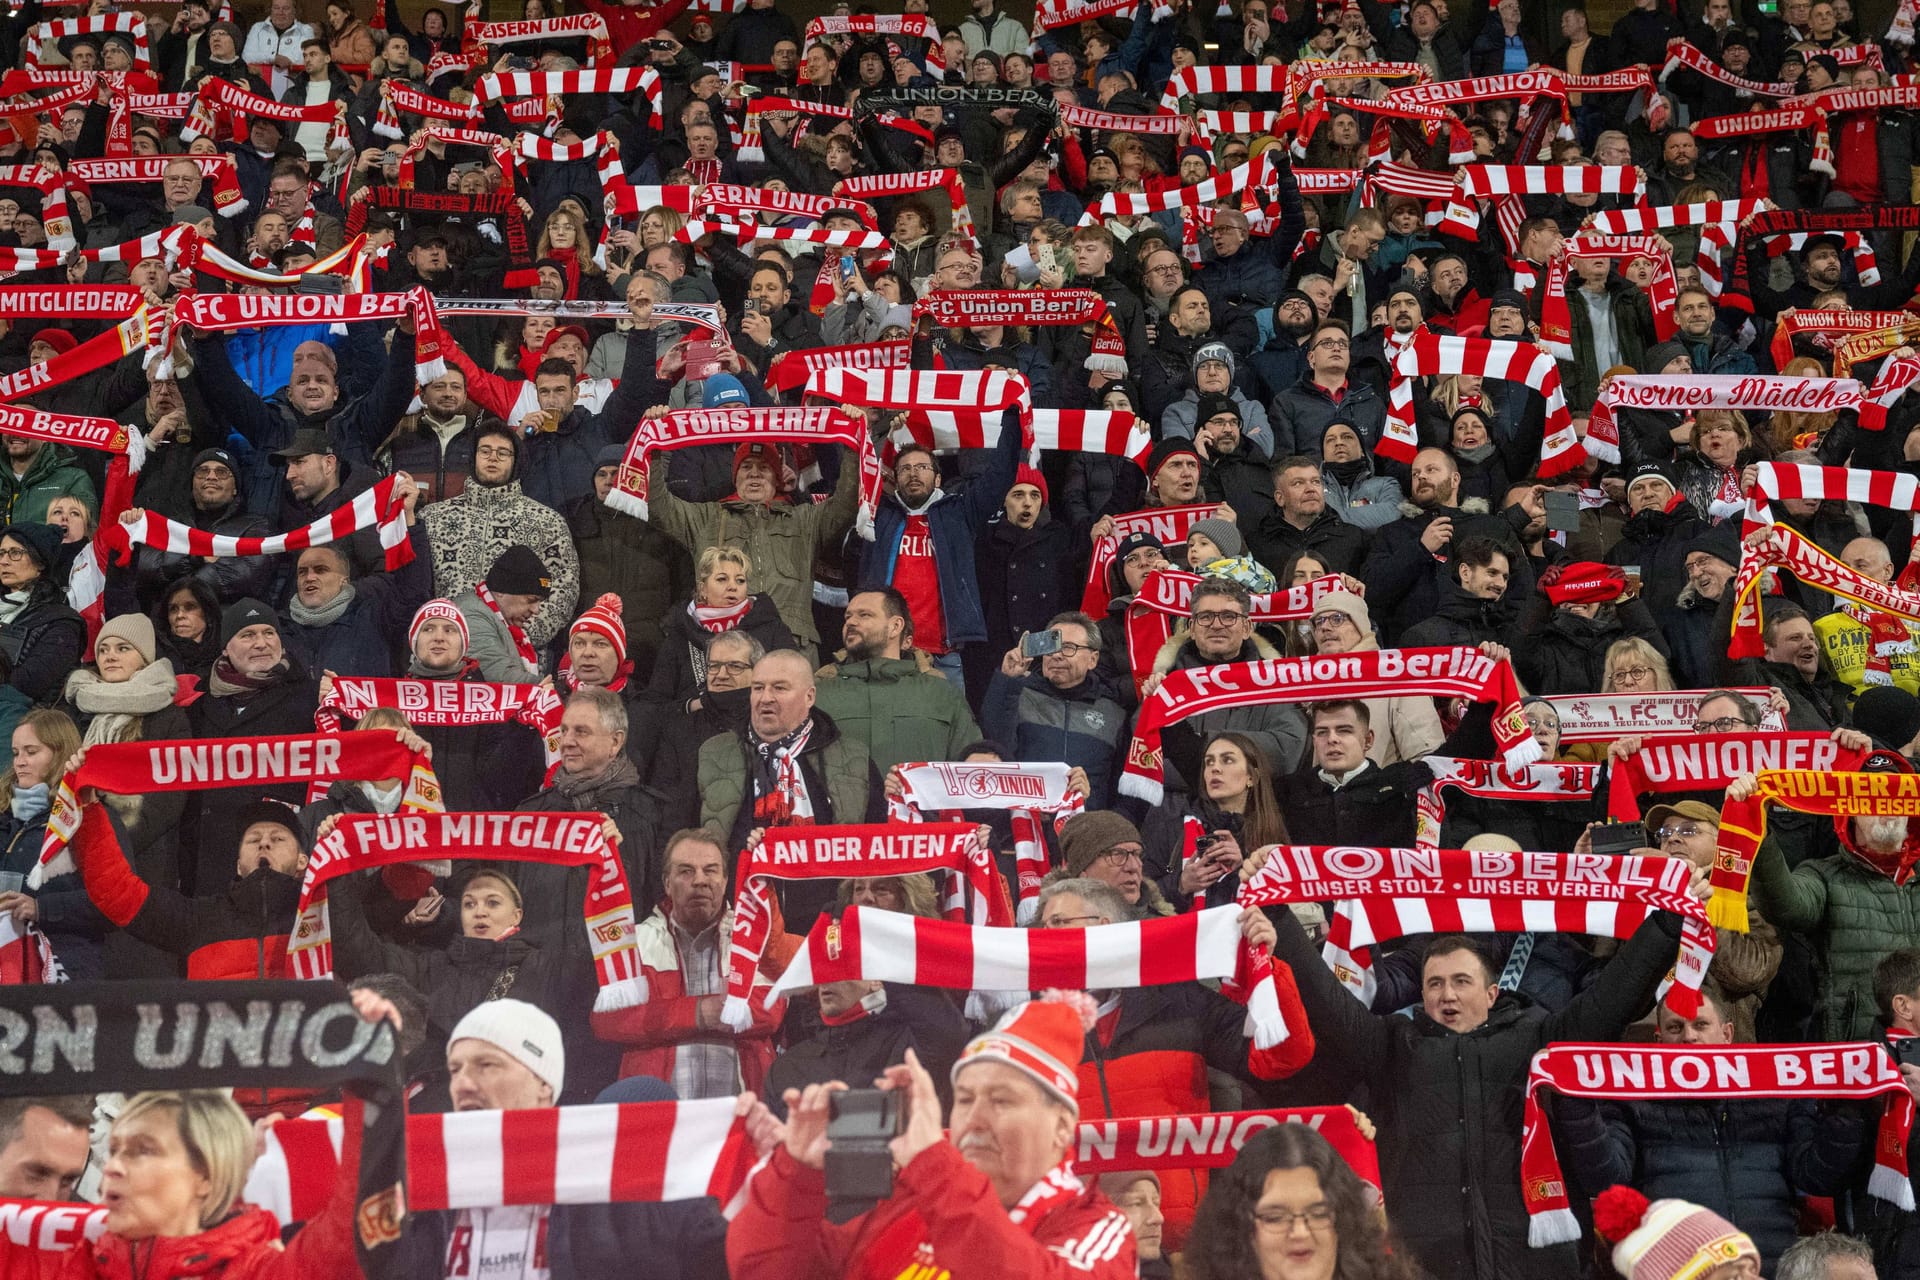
(1044,1038)
(1666,1239)
(604,619)
(441,608)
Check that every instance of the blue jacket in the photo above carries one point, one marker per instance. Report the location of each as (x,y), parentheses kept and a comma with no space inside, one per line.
(954,522)
(263,358)
(1085,725)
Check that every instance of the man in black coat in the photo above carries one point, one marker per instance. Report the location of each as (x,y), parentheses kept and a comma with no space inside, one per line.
(1448,1085)
(1471,610)
(1301,521)
(1694,645)
(1408,565)
(216,507)
(1657,537)
(867,1027)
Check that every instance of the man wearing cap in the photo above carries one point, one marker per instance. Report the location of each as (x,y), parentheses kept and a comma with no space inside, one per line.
(480,766)
(468,532)
(780,535)
(342,623)
(994,1194)
(1403,728)
(879,693)
(497,609)
(1301,413)
(1213,374)
(1173,475)
(1376,348)
(1660,531)
(510,1055)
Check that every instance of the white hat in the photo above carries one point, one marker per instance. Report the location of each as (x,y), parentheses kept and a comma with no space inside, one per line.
(522,1031)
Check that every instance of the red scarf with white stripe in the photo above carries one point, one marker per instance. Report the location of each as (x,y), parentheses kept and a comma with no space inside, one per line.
(1491,780)
(438,703)
(523,646)
(363,841)
(1688,1072)
(1556,325)
(715,619)
(1114,432)
(1166,599)
(1025,791)
(835,852)
(904,184)
(792,369)
(376,508)
(1710,761)
(1499,358)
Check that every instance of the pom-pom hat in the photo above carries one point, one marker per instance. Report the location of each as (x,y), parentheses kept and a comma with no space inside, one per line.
(1043,1038)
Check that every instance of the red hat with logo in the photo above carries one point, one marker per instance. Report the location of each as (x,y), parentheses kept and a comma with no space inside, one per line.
(1043,1038)
(603,619)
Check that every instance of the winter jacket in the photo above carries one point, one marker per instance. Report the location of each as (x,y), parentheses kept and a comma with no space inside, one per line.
(1365,499)
(440,461)
(680,669)
(244,1247)
(943,1214)
(51,473)
(1026,577)
(901,713)
(212,828)
(782,539)
(652,1032)
(1633,333)
(1085,725)
(1460,618)
(923,1019)
(954,522)
(1851,914)
(1405,582)
(233,578)
(553,894)
(841,783)
(1449,1103)
(1341,545)
(1278,729)
(361,641)
(469,533)
(1562,652)
(1693,646)
(490,642)
(1814,704)
(74,926)
(42,645)
(1301,414)
(1732,1156)
(1178,421)
(628,557)
(1658,541)
(1372,808)
(1154,1056)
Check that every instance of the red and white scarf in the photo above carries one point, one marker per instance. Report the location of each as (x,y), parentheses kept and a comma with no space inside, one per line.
(1709,762)
(1393,893)
(1686,1073)
(131,25)
(1435,354)
(1169,525)
(1166,599)
(441,703)
(1602,717)
(1504,184)
(376,508)
(1258,172)
(714,619)
(529,657)
(1783,119)
(231,312)
(227,200)
(1114,432)
(1197,80)
(807,424)
(1690,392)
(905,184)
(1026,791)
(792,369)
(1783,548)
(1118,122)
(53,200)
(1456,671)
(1212,1140)
(363,841)
(501,86)
(539,30)
(1556,325)
(398,97)
(735,201)
(605,1154)
(1893,490)
(200,764)
(221,110)
(835,852)
(1891,383)
(1697,60)
(1491,780)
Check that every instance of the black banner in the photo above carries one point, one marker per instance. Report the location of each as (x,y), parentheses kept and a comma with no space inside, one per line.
(951,96)
(1884,217)
(126,1037)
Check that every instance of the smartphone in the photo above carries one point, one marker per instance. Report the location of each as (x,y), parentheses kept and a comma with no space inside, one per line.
(661,44)
(1043,256)
(1038,644)
(703,359)
(1611,839)
(1563,511)
(846,267)
(1905,1050)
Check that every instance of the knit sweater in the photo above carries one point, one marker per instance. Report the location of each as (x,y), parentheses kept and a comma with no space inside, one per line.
(469,532)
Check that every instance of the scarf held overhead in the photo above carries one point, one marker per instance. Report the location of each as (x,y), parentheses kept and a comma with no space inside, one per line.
(1708,762)
(1602,717)
(1491,780)
(1430,354)
(376,508)
(1456,671)
(439,703)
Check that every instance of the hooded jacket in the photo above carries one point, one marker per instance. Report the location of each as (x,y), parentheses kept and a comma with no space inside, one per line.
(1562,652)
(1461,618)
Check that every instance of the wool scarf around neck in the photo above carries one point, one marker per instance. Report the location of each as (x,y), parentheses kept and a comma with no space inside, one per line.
(324,615)
(720,617)
(522,645)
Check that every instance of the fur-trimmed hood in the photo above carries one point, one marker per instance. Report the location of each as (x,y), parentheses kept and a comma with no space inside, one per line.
(1471,507)
(1170,651)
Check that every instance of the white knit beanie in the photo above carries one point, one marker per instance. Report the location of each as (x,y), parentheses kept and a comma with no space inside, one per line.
(524,1032)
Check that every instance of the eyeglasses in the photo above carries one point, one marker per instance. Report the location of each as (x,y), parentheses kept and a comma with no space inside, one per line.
(493,453)
(1069,922)
(1218,618)
(1542,724)
(913,468)
(1068,649)
(1632,673)
(13,553)
(1719,724)
(1685,833)
(1327,621)
(1121,857)
(1330,344)
(731,668)
(1318,1217)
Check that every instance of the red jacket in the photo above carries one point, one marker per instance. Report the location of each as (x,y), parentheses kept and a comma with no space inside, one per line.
(670,1017)
(943,1222)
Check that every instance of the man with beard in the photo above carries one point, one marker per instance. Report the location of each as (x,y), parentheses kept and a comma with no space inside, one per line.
(1028,573)
(1301,413)
(879,695)
(1863,646)
(1710,351)
(1455,306)
(1375,350)
(1680,167)
(470,531)
(1355,492)
(1301,520)
(1661,526)
(1820,271)
(340,623)
(436,444)
(677,1035)
(1280,363)
(1471,610)
(1848,905)
(1233,472)
(1689,627)
(1408,566)
(214,489)
(1188,331)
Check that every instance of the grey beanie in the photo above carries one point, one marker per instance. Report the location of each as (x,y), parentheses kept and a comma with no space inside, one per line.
(1222,534)
(1214,351)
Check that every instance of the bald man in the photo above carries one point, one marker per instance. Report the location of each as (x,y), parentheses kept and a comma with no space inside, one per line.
(1854,637)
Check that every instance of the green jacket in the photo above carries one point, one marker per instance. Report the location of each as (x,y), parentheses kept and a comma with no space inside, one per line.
(900,712)
(832,761)
(781,540)
(1853,916)
(52,474)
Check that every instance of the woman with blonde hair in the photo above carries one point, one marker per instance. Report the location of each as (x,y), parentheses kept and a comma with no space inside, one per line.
(911,894)
(1634,666)
(658,225)
(567,240)
(43,743)
(722,601)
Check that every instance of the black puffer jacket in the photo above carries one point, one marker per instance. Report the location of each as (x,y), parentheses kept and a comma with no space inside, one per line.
(1561,652)
(918,1018)
(231,577)
(43,644)
(1449,1105)
(1730,1156)
(1406,581)
(1460,618)
(212,822)
(1658,541)
(675,675)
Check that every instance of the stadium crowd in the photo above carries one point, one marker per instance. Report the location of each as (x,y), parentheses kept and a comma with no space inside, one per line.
(1395,519)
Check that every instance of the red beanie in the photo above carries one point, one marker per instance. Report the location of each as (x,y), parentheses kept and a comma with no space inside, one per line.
(1583,582)
(1044,1038)
(59,339)
(604,619)
(1032,476)
(444,609)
